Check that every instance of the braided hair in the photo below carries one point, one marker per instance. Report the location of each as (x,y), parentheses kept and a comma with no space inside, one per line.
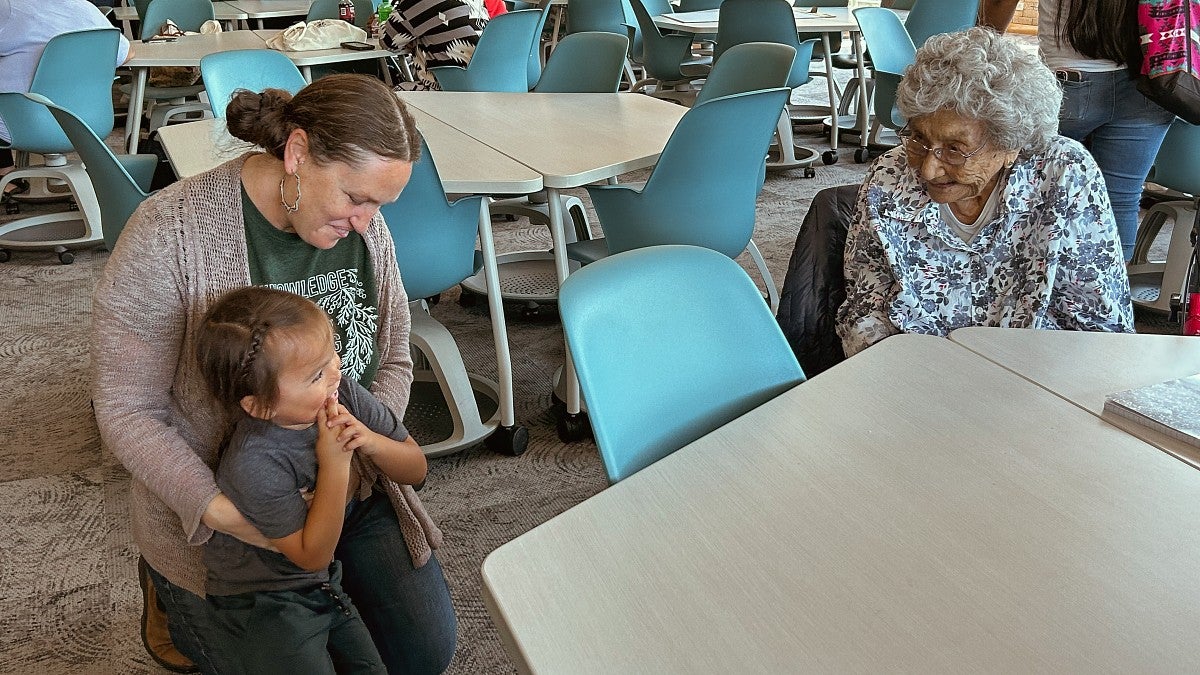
(236,345)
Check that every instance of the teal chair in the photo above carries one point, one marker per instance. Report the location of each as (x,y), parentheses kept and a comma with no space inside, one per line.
(435,250)
(121,181)
(609,16)
(501,59)
(771,21)
(702,191)
(654,383)
(588,62)
(667,59)
(927,18)
(697,5)
(165,103)
(891,52)
(328,9)
(224,73)
(75,70)
(188,15)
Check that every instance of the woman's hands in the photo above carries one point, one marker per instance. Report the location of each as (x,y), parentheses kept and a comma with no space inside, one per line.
(222,516)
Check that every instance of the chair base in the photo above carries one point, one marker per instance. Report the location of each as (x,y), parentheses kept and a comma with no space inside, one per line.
(787,157)
(459,389)
(525,276)
(61,231)
(1153,283)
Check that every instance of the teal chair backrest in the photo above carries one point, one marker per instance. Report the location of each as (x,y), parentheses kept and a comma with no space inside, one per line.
(932,17)
(253,69)
(501,59)
(609,16)
(535,48)
(590,62)
(763,21)
(187,14)
(662,56)
(328,9)
(435,239)
(1177,165)
(748,66)
(703,189)
(118,191)
(75,70)
(655,383)
(697,5)
(891,52)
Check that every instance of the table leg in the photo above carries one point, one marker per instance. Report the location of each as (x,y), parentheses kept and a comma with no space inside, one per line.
(133,120)
(491,276)
(558,237)
(864,121)
(833,102)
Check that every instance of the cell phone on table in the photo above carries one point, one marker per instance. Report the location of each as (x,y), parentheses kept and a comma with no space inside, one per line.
(162,38)
(358,46)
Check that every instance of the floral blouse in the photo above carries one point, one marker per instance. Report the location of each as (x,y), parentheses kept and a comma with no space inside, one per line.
(1049,258)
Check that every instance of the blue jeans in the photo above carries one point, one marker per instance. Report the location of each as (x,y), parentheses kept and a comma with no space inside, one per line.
(407,610)
(1123,130)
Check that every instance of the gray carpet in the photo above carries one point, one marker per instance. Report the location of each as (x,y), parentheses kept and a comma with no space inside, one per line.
(68,596)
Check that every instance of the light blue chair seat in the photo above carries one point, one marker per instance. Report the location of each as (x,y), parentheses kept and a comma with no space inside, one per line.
(656,382)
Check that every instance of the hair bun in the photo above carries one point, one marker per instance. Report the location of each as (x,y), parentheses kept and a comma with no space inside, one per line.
(259,118)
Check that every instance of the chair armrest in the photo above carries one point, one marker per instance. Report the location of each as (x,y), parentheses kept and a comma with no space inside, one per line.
(140,168)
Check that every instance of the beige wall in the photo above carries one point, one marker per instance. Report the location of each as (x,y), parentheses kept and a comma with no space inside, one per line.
(1025,18)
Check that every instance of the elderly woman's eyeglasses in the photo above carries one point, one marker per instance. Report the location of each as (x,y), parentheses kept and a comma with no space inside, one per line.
(916,149)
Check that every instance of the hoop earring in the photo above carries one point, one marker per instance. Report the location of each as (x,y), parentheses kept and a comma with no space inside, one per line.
(294,207)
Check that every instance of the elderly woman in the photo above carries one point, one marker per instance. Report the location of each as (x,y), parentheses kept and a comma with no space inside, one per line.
(983,216)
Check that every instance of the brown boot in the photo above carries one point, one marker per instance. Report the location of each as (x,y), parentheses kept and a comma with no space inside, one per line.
(155,636)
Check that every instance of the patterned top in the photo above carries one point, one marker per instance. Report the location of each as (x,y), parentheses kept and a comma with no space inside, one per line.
(1049,258)
(435,33)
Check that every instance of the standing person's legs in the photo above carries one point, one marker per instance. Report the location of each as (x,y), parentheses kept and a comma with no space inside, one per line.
(1123,130)
(408,610)
(1125,148)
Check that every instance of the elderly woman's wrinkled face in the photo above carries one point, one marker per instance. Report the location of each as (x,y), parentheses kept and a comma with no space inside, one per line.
(340,198)
(966,187)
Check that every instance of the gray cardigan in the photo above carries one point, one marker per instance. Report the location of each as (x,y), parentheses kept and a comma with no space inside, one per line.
(182,249)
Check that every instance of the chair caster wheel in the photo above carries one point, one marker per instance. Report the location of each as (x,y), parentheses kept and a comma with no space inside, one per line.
(572,428)
(66,257)
(861,155)
(810,172)
(829,157)
(433,299)
(72,205)
(510,441)
(5,255)
(11,208)
(530,310)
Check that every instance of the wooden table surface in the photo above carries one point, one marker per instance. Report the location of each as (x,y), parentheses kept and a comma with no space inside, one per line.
(917,508)
(1083,368)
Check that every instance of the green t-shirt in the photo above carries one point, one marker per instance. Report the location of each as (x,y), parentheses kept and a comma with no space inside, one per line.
(340,280)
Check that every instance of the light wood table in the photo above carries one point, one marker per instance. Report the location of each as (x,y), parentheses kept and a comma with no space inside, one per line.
(913,509)
(188,50)
(570,139)
(223,11)
(465,166)
(825,20)
(305,60)
(1083,368)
